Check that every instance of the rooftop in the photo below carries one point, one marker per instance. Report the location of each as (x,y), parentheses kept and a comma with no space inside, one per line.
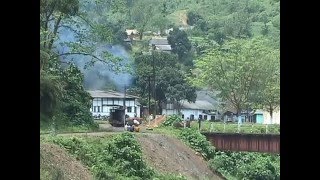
(198,104)
(158,41)
(109,94)
(164,47)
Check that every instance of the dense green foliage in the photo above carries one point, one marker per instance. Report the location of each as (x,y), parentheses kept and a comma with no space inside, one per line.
(171,84)
(180,45)
(221,20)
(198,142)
(239,70)
(207,126)
(232,165)
(63,99)
(107,159)
(245,165)
(172,120)
(113,157)
(62,96)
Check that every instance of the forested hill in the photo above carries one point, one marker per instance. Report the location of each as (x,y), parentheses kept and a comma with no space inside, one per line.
(82,41)
(216,20)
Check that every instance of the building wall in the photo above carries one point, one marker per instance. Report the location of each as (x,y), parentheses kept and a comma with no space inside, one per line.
(102,106)
(138,111)
(275,119)
(187,113)
(259,118)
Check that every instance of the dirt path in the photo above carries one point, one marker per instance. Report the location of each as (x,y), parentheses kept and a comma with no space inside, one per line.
(167,154)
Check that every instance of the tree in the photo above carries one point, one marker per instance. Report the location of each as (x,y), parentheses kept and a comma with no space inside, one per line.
(270,91)
(160,23)
(142,14)
(173,87)
(76,101)
(90,31)
(234,70)
(171,84)
(51,14)
(239,25)
(62,96)
(193,18)
(180,43)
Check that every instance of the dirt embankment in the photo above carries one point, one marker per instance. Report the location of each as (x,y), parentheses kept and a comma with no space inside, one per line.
(163,153)
(56,163)
(167,154)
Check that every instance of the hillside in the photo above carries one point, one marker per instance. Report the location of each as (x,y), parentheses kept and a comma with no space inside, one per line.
(167,154)
(56,163)
(164,154)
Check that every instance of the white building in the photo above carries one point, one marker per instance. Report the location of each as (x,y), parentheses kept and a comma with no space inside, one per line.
(104,101)
(199,109)
(275,117)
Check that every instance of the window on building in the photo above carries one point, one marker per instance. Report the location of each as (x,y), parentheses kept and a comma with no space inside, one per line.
(94,108)
(200,116)
(129,109)
(98,108)
(135,109)
(182,116)
(205,117)
(213,118)
(191,117)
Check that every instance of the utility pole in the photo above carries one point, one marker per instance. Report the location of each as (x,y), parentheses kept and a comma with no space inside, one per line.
(149,87)
(154,81)
(124,108)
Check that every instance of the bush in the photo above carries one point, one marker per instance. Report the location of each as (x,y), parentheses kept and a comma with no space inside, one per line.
(198,142)
(247,165)
(109,159)
(173,119)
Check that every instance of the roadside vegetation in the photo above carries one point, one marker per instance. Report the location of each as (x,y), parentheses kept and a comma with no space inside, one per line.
(232,165)
(114,157)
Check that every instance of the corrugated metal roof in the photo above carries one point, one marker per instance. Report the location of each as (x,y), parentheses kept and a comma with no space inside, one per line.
(109,94)
(199,104)
(164,47)
(158,41)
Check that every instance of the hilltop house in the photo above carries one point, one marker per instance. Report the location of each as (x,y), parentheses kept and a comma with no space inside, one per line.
(132,34)
(104,101)
(160,44)
(205,107)
(258,116)
(200,109)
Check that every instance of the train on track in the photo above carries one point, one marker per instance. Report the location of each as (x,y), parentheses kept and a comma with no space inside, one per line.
(118,118)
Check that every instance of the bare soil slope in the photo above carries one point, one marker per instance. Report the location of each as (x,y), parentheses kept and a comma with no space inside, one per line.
(167,154)
(56,163)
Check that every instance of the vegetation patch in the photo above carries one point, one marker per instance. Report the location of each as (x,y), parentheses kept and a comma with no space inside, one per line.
(247,165)
(116,157)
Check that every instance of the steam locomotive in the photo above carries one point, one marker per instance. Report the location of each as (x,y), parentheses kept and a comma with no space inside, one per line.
(118,117)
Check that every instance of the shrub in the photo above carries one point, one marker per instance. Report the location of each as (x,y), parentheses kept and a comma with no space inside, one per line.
(198,142)
(108,159)
(173,119)
(247,165)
